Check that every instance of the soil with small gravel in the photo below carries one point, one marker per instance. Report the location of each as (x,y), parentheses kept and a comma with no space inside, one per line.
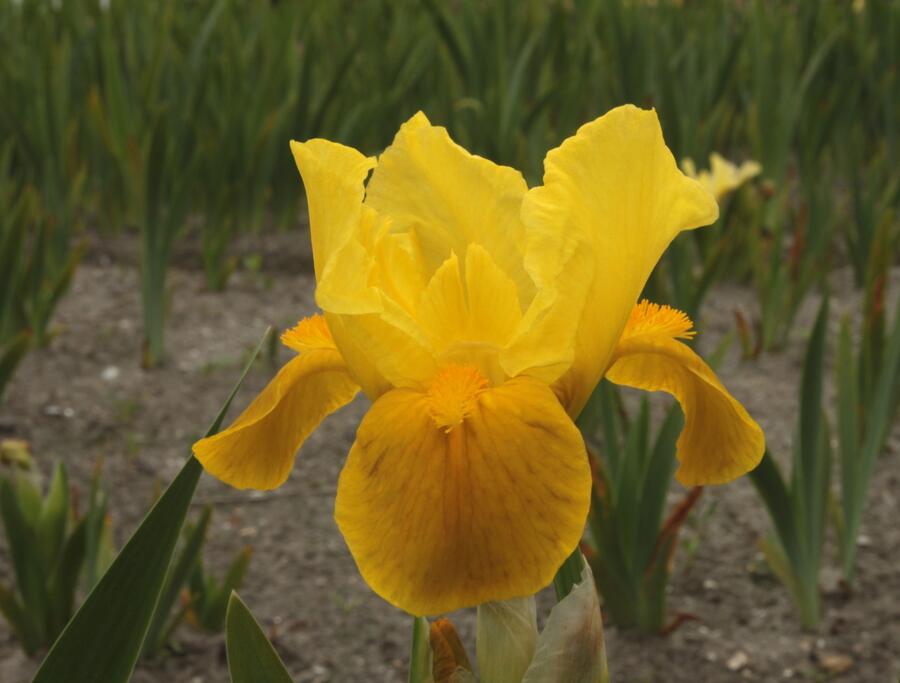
(85,400)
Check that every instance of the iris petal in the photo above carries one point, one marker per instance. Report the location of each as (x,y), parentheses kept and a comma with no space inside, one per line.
(426,182)
(439,519)
(720,441)
(614,190)
(257,451)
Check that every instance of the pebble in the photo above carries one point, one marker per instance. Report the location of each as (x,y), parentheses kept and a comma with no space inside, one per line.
(59,411)
(737,661)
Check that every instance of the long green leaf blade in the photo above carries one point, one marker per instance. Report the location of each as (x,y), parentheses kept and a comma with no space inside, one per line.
(104,638)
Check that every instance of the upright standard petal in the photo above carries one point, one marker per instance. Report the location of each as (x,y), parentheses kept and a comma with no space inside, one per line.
(615,186)
(373,341)
(463,494)
(333,175)
(257,451)
(720,441)
(451,198)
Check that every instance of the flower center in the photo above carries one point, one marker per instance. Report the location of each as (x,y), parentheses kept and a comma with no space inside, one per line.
(453,395)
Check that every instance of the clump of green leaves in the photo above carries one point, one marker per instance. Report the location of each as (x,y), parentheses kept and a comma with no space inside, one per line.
(34,272)
(52,548)
(868,396)
(631,544)
(104,638)
(798,506)
(191,593)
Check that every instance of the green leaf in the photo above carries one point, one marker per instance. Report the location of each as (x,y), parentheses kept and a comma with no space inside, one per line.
(213,618)
(20,620)
(99,552)
(176,578)
(811,392)
(770,485)
(54,517)
(420,652)
(251,657)
(657,479)
(10,356)
(64,580)
(23,548)
(568,575)
(104,638)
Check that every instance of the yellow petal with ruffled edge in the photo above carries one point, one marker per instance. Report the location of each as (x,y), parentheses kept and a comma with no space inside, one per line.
(426,182)
(720,441)
(257,451)
(614,188)
(373,334)
(463,494)
(333,175)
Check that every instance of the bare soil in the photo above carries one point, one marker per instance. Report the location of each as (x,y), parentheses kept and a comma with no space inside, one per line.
(85,400)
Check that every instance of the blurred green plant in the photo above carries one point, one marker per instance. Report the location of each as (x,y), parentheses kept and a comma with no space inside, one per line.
(868,396)
(190,592)
(171,118)
(798,506)
(32,279)
(695,261)
(631,545)
(51,547)
(104,638)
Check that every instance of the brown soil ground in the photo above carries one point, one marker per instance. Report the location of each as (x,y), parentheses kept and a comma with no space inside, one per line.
(302,585)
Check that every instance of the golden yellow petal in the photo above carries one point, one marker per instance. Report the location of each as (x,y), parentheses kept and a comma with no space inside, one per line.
(425,181)
(333,176)
(471,313)
(382,350)
(376,338)
(441,513)
(615,186)
(257,451)
(720,441)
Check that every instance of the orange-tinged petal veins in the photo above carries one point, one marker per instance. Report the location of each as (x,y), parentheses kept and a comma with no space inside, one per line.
(438,520)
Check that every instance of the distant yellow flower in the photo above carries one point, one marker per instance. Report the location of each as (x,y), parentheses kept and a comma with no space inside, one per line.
(477,316)
(723,176)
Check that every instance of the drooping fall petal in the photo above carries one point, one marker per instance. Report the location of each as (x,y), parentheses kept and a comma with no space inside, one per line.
(720,441)
(257,451)
(463,494)
(615,187)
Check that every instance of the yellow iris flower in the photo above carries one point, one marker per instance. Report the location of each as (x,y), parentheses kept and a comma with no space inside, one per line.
(723,176)
(478,315)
